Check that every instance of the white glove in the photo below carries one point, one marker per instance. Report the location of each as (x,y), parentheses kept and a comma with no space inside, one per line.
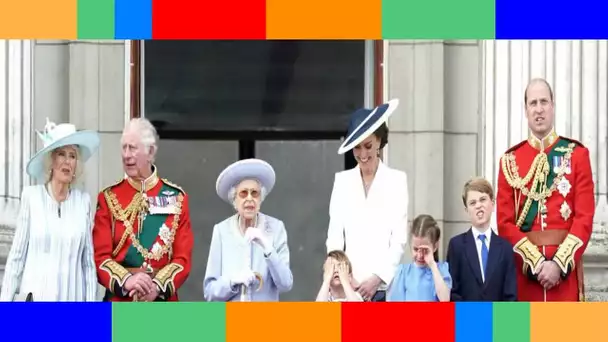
(257,235)
(246,278)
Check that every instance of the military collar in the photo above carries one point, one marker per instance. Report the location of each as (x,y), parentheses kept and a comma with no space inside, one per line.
(542,144)
(147,184)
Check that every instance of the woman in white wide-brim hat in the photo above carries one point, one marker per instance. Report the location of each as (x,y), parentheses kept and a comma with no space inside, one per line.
(249,255)
(51,257)
(368,205)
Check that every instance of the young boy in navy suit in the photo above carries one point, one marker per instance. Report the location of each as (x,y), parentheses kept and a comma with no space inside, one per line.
(481,263)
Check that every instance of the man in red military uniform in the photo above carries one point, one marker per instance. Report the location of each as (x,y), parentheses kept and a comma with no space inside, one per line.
(545,204)
(142,235)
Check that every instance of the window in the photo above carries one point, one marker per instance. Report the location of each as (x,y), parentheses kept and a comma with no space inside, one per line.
(228,88)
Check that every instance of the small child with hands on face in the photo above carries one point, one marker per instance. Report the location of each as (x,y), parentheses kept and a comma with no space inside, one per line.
(337,280)
(425,279)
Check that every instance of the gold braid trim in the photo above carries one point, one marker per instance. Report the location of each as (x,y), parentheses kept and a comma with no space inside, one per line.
(530,254)
(116,271)
(130,213)
(166,276)
(539,170)
(564,256)
(127,217)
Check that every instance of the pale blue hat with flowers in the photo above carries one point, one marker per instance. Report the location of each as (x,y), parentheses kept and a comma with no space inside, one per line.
(54,136)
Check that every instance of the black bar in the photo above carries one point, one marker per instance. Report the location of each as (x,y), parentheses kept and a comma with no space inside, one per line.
(246,149)
(248,135)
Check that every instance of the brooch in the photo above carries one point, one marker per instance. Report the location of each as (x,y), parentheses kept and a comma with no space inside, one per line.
(565,211)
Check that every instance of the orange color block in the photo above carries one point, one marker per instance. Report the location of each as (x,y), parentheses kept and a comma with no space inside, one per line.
(568,321)
(282,322)
(323,19)
(38,19)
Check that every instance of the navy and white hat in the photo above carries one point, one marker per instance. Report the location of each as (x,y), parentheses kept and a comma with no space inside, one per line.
(54,136)
(364,122)
(244,169)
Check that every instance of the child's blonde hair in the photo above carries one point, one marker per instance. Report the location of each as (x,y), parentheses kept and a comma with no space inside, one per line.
(341,257)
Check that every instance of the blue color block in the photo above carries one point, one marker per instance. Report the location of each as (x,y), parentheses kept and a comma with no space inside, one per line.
(473,322)
(133,19)
(547,19)
(61,322)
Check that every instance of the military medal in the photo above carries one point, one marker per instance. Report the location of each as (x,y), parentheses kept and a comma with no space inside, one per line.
(556,164)
(564,186)
(565,211)
(163,205)
(560,163)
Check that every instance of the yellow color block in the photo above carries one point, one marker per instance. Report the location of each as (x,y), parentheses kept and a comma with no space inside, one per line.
(38,19)
(283,322)
(323,19)
(555,322)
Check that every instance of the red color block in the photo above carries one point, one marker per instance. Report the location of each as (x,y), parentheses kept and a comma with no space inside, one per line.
(208,19)
(409,321)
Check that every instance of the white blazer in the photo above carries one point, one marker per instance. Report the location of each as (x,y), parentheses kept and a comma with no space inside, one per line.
(372,231)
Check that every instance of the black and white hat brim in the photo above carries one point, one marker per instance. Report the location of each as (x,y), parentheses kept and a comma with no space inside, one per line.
(373,121)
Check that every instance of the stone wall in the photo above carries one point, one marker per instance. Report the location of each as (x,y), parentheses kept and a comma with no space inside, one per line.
(15,133)
(81,82)
(435,131)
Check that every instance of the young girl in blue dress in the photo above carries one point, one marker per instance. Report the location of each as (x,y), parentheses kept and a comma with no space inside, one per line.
(425,279)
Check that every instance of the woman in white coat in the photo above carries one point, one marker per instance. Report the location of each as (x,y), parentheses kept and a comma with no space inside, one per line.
(51,258)
(368,206)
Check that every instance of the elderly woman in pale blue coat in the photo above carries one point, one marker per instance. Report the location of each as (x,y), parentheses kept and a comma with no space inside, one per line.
(249,255)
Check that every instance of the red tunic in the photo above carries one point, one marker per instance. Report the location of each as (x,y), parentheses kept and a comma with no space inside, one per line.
(568,214)
(164,244)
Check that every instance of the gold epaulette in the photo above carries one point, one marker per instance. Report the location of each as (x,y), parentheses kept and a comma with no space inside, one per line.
(576,142)
(113,185)
(168,182)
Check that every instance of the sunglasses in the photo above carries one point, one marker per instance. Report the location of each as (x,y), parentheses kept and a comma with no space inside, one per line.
(246,192)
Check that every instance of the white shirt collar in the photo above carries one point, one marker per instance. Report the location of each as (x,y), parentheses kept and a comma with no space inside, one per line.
(487,233)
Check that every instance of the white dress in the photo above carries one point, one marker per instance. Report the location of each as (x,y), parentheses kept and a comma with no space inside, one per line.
(52,254)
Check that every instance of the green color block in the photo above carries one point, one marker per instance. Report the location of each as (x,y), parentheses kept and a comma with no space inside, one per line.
(173,321)
(438,19)
(95,19)
(511,322)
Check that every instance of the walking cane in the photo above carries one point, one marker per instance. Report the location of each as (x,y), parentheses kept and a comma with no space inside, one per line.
(244,288)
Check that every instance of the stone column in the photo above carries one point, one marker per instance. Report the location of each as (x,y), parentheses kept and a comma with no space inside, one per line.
(577,70)
(15,134)
(462,140)
(434,135)
(97,102)
(415,75)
